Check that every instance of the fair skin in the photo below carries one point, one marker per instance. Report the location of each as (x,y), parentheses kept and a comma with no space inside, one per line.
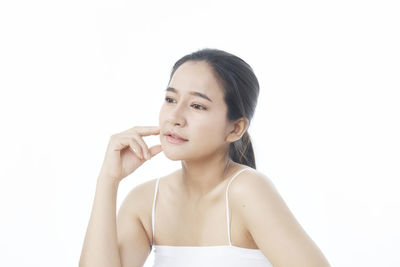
(190,207)
(203,122)
(190,202)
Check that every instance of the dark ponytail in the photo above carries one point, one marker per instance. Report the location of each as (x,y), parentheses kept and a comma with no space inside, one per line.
(240,94)
(241,151)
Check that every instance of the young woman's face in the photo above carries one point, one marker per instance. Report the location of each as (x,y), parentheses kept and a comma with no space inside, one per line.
(201,121)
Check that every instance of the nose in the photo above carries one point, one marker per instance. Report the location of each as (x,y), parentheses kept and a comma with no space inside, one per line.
(176,115)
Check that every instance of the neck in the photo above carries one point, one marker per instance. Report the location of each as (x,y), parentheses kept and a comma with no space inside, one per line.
(199,178)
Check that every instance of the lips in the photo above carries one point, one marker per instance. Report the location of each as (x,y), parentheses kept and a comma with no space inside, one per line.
(175,135)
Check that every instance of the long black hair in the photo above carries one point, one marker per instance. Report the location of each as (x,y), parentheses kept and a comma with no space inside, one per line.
(241,91)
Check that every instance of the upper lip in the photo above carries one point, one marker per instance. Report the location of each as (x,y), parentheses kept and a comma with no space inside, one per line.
(175,134)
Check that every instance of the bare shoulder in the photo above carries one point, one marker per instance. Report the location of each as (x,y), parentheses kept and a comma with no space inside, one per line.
(257,201)
(140,198)
(271,223)
(250,189)
(250,182)
(134,241)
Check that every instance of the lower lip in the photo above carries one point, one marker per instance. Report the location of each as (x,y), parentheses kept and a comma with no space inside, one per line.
(174,140)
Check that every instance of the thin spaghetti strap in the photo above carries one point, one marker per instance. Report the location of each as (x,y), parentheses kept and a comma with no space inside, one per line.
(227,203)
(152,214)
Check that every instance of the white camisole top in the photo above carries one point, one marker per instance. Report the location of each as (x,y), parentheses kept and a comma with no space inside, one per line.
(207,256)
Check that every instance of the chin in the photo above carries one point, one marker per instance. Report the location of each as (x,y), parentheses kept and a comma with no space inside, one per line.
(173,156)
(171,153)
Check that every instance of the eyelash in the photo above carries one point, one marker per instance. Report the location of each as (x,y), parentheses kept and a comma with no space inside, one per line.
(203,108)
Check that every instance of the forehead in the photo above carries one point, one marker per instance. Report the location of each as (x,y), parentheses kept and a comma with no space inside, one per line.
(197,76)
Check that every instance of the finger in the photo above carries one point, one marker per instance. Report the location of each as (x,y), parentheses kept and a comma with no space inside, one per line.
(145,130)
(144,149)
(118,142)
(135,147)
(154,150)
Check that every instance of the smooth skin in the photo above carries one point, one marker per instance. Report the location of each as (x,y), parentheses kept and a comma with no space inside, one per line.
(259,216)
(107,244)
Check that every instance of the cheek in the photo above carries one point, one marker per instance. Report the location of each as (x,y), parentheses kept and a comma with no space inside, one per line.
(210,131)
(161,114)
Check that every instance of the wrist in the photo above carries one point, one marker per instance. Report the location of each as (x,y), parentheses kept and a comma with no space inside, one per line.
(108,181)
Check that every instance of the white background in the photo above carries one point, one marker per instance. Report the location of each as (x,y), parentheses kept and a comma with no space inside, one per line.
(326,128)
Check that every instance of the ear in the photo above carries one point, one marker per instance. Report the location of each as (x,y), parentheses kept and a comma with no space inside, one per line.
(237,129)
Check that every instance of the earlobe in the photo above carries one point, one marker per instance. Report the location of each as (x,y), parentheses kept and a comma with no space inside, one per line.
(232,135)
(240,127)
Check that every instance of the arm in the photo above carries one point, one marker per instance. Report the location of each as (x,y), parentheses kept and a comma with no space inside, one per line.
(100,248)
(133,242)
(271,224)
(104,244)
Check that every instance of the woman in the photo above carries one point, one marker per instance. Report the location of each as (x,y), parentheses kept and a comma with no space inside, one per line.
(217,210)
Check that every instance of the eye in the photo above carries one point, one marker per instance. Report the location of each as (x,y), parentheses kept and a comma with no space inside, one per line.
(200,106)
(167,98)
(196,105)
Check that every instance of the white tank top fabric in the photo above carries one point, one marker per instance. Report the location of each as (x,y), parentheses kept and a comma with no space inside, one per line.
(207,256)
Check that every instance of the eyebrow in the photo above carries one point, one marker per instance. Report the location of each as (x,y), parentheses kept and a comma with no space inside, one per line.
(171,89)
